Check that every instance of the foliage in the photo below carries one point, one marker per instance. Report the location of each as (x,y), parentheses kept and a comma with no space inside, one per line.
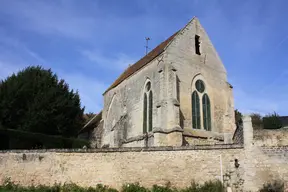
(88,117)
(272,121)
(238,117)
(69,187)
(209,186)
(257,121)
(35,100)
(215,186)
(133,187)
(28,140)
(276,186)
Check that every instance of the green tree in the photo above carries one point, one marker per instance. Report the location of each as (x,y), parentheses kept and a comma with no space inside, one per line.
(35,100)
(272,121)
(238,117)
(257,121)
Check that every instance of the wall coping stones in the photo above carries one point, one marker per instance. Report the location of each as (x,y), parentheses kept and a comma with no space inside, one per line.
(131,149)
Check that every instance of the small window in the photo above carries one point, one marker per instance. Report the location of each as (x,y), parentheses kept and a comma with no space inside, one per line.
(197,44)
(148,86)
(200,86)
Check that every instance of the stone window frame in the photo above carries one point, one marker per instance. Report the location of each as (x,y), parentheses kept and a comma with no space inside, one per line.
(201,95)
(147,112)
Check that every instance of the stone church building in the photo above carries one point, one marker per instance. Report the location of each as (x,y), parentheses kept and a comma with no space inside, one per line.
(176,95)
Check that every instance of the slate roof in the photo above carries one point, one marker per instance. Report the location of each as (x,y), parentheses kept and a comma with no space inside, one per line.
(142,62)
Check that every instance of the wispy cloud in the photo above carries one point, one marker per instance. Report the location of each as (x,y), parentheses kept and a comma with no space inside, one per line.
(117,62)
(46,17)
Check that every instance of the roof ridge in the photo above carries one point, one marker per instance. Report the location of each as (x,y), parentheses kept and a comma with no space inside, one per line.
(142,62)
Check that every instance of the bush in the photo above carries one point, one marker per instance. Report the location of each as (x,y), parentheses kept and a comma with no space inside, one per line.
(133,188)
(272,121)
(28,140)
(209,186)
(215,186)
(276,186)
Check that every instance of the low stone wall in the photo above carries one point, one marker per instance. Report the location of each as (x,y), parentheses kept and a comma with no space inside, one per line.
(271,137)
(257,163)
(116,167)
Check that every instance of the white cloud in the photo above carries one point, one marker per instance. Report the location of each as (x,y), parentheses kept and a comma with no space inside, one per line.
(118,62)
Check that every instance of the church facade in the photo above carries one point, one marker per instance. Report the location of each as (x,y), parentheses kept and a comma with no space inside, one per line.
(176,95)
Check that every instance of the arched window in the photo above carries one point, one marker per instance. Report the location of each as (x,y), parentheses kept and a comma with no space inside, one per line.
(148,108)
(196,118)
(206,112)
(145,113)
(199,96)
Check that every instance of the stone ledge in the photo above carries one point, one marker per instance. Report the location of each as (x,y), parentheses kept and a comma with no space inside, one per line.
(203,134)
(131,149)
(137,138)
(167,131)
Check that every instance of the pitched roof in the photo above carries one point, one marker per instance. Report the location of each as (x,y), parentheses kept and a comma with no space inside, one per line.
(142,62)
(92,123)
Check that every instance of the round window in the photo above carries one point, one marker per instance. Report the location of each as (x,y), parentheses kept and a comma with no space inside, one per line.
(148,86)
(200,86)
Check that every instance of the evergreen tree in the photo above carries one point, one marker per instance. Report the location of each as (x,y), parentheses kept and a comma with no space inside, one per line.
(35,100)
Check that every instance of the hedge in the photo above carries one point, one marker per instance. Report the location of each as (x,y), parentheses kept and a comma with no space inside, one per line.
(28,140)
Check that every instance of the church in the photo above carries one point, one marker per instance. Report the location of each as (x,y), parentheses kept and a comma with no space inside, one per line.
(176,95)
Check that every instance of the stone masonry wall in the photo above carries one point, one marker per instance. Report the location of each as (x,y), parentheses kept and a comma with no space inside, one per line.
(149,167)
(207,67)
(258,164)
(270,137)
(123,107)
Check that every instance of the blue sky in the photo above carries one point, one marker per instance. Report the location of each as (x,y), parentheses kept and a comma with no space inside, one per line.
(89,43)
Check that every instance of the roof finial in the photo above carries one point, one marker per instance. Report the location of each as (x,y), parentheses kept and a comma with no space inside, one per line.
(147,39)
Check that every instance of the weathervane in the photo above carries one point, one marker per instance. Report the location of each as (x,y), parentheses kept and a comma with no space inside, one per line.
(147,39)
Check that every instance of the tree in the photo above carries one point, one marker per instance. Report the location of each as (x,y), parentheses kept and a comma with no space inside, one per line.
(257,121)
(35,100)
(238,117)
(272,121)
(88,117)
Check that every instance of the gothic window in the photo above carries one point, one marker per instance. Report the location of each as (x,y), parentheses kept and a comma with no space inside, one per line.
(197,44)
(206,112)
(145,113)
(148,108)
(200,100)
(196,111)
